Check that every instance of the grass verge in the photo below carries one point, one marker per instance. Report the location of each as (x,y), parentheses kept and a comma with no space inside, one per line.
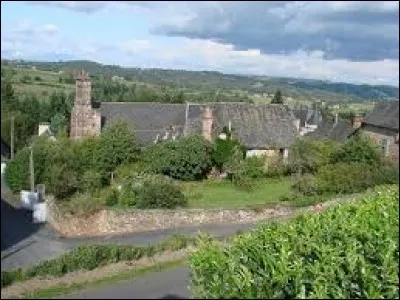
(64,289)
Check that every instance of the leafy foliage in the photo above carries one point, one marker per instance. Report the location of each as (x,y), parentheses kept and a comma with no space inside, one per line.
(358,148)
(117,146)
(185,159)
(348,252)
(160,195)
(58,124)
(343,178)
(143,190)
(306,156)
(223,150)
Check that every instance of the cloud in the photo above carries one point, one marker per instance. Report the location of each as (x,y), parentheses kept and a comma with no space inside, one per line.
(352,30)
(358,31)
(79,6)
(338,41)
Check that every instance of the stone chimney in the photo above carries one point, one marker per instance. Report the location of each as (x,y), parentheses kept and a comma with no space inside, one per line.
(42,128)
(207,120)
(357,121)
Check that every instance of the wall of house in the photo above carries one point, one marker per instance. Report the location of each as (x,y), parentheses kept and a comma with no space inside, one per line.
(262,152)
(379,134)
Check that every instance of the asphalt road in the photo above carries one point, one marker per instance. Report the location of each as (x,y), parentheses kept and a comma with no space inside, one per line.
(168,284)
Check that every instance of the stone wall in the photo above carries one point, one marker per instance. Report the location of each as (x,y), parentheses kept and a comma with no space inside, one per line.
(378,134)
(108,222)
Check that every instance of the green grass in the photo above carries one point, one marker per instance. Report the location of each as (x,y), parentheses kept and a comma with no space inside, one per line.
(63,289)
(213,194)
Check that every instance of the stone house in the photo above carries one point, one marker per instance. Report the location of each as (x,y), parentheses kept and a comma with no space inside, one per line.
(336,129)
(382,125)
(263,128)
(308,118)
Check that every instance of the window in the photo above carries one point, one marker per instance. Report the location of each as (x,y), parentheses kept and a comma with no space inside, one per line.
(384,145)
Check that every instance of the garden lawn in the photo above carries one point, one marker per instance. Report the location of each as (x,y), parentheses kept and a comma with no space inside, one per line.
(212,193)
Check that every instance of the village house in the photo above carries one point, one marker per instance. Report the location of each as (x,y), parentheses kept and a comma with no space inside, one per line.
(381,124)
(263,128)
(309,118)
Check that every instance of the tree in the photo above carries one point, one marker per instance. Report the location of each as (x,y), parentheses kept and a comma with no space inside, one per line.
(117,146)
(277,98)
(58,124)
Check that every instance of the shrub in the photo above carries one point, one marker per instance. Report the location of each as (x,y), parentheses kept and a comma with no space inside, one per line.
(38,78)
(61,181)
(305,185)
(275,168)
(359,148)
(129,171)
(346,178)
(223,150)
(253,167)
(116,146)
(160,195)
(185,159)
(350,251)
(131,184)
(92,180)
(306,155)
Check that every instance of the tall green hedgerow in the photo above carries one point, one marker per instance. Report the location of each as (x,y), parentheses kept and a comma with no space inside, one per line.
(348,252)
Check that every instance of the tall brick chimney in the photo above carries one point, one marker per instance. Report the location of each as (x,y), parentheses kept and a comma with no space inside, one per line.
(207,120)
(357,121)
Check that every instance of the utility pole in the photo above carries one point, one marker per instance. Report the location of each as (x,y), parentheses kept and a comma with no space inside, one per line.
(12,137)
(32,171)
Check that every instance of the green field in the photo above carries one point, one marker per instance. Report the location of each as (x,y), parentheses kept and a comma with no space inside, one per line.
(213,194)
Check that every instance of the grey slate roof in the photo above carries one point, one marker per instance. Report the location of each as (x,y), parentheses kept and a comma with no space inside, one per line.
(385,114)
(304,114)
(328,129)
(146,119)
(258,126)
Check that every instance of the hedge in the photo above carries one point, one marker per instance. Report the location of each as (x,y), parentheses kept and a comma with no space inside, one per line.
(347,252)
(89,257)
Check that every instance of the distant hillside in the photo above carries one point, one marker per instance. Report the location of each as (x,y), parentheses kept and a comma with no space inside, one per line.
(202,81)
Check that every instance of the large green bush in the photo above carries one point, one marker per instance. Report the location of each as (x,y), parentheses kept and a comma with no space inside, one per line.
(359,148)
(142,190)
(117,146)
(155,194)
(306,155)
(185,159)
(348,252)
(342,178)
(92,180)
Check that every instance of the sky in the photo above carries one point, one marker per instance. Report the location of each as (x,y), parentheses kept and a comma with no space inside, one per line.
(340,41)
